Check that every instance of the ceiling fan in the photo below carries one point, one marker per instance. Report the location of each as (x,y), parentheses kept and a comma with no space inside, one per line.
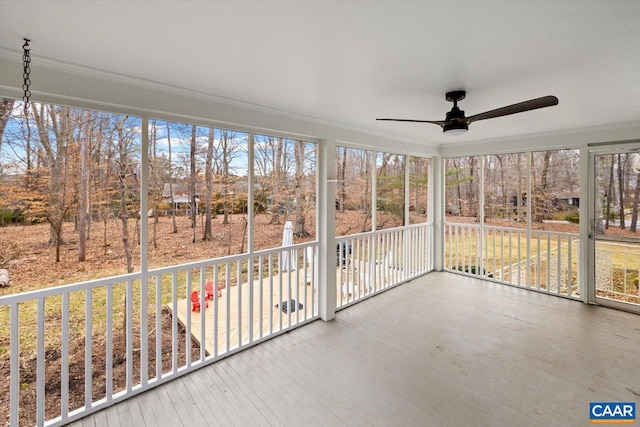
(457,123)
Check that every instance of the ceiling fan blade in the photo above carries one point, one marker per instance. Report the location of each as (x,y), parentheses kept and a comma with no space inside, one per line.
(533,104)
(435,122)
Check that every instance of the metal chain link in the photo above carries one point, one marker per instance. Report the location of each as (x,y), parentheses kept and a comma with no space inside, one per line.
(26,61)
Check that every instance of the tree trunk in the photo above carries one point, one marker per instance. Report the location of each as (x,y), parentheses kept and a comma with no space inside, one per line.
(245,228)
(54,156)
(621,192)
(84,194)
(124,213)
(154,175)
(503,185)
(224,141)
(634,210)
(6,108)
(277,185)
(541,196)
(173,203)
(208,232)
(471,191)
(458,187)
(520,194)
(609,195)
(299,230)
(343,180)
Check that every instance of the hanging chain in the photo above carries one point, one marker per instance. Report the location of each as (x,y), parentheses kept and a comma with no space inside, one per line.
(26,63)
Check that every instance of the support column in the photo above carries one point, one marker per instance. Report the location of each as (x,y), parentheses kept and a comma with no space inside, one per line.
(250,192)
(586,257)
(326,214)
(144,248)
(436,210)
(480,266)
(406,232)
(144,195)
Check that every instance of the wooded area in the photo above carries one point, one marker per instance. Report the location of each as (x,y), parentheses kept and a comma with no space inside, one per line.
(555,189)
(62,165)
(355,171)
(79,172)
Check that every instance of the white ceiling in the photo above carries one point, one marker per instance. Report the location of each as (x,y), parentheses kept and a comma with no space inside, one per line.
(349,62)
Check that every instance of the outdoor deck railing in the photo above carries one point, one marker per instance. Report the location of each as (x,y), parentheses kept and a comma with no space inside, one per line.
(96,343)
(618,271)
(541,260)
(369,263)
(99,342)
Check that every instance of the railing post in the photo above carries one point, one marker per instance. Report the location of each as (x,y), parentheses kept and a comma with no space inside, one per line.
(326,213)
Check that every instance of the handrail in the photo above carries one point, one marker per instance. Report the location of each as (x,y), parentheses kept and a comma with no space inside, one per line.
(540,260)
(90,284)
(247,312)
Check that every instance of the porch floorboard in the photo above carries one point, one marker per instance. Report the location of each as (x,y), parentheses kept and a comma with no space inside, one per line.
(440,350)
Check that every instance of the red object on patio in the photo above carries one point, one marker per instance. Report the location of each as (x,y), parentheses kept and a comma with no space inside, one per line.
(209,288)
(195,301)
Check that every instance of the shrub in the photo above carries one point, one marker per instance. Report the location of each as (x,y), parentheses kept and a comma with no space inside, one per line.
(573,218)
(472,270)
(8,216)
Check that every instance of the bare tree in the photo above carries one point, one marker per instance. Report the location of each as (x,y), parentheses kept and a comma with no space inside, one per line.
(208,234)
(83,208)
(342,169)
(354,171)
(122,144)
(225,142)
(155,182)
(277,164)
(634,209)
(621,191)
(55,153)
(541,196)
(520,194)
(173,203)
(6,108)
(609,196)
(418,183)
(299,230)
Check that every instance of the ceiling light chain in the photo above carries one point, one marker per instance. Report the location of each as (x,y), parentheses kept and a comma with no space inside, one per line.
(26,61)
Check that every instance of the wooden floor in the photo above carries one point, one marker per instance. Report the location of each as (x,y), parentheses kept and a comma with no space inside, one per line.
(437,351)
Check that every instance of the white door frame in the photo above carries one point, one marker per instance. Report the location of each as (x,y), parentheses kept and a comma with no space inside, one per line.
(588,229)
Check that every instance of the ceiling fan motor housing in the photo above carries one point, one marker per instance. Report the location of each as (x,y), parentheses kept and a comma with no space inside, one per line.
(456,122)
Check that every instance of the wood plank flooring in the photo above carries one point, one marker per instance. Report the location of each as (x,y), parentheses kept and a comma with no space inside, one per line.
(442,350)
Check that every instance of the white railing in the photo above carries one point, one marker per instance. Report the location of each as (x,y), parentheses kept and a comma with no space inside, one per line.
(99,342)
(96,343)
(618,271)
(369,263)
(540,260)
